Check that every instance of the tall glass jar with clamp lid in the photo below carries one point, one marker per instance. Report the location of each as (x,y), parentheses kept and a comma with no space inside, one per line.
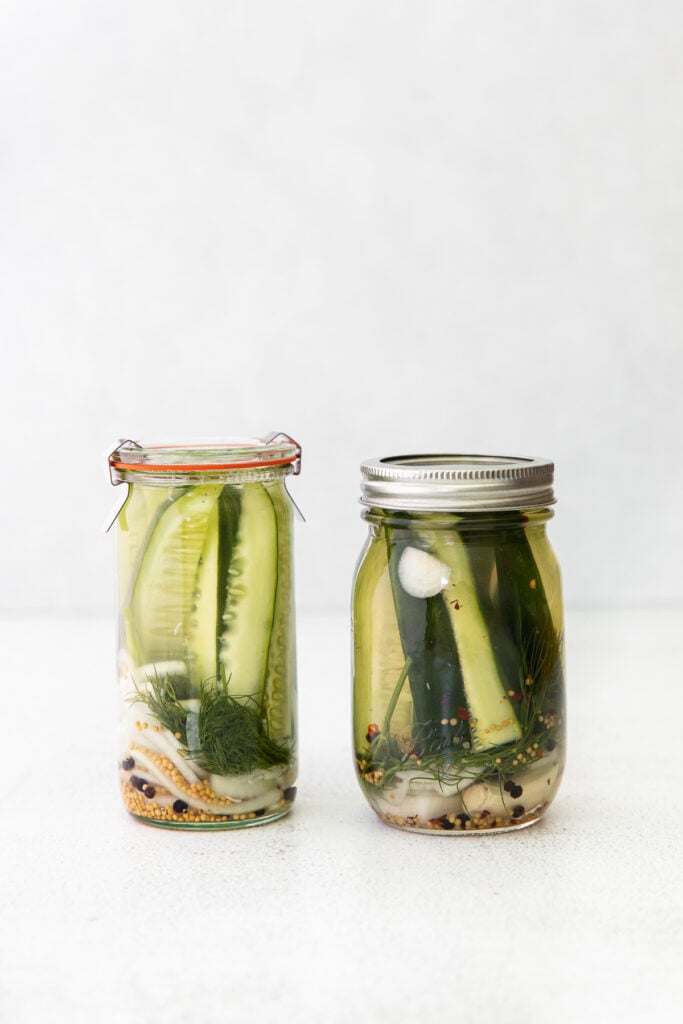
(206,642)
(459,722)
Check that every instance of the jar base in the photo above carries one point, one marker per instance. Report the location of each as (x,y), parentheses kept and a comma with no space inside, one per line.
(213,826)
(472,827)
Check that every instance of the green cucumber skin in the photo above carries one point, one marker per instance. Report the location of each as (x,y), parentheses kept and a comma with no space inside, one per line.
(251,589)
(209,590)
(482,549)
(160,604)
(411,613)
(137,493)
(435,677)
(229,509)
(280,685)
(523,635)
(517,616)
(477,638)
(218,618)
(442,663)
(527,617)
(523,602)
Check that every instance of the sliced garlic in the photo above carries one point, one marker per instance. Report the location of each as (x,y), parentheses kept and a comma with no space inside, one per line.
(421,574)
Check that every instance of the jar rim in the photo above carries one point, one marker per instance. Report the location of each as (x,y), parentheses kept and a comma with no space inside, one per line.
(457,482)
(277,451)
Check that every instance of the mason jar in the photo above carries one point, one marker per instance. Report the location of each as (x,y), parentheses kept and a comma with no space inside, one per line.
(458,666)
(206,644)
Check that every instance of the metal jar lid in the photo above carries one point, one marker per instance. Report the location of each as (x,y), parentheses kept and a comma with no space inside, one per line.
(457,483)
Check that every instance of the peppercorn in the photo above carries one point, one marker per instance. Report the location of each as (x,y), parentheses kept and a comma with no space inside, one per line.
(259,814)
(517,811)
(446,823)
(137,782)
(180,806)
(149,792)
(515,791)
(127,764)
(463,819)
(289,794)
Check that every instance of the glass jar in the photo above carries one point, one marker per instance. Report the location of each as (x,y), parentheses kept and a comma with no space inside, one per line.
(459,722)
(206,662)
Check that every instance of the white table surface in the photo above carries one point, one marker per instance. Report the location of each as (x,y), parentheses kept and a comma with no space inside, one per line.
(330,915)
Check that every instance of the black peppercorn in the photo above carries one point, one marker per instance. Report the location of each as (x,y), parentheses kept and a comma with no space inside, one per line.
(137,782)
(289,794)
(128,764)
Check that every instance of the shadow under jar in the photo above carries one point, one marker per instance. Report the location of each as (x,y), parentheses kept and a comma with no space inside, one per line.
(458,664)
(206,662)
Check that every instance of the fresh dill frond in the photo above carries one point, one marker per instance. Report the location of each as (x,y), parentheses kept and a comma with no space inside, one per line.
(443,753)
(226,736)
(162,700)
(233,738)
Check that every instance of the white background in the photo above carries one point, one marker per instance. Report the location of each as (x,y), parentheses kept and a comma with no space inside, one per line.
(381,227)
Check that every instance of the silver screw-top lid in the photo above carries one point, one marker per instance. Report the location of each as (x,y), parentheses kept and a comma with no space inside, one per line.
(458,483)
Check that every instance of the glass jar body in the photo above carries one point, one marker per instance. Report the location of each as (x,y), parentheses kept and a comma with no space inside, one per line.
(207,661)
(458,670)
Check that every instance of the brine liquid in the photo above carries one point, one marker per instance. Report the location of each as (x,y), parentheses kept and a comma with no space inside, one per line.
(206,664)
(459,696)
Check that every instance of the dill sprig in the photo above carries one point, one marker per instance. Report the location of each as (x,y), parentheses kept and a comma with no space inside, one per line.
(233,738)
(226,736)
(444,754)
(161,698)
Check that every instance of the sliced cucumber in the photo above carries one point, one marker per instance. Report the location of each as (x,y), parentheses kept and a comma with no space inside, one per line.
(281,675)
(493,720)
(436,678)
(201,645)
(209,594)
(411,615)
(135,524)
(251,584)
(377,651)
(549,571)
(160,608)
(525,610)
